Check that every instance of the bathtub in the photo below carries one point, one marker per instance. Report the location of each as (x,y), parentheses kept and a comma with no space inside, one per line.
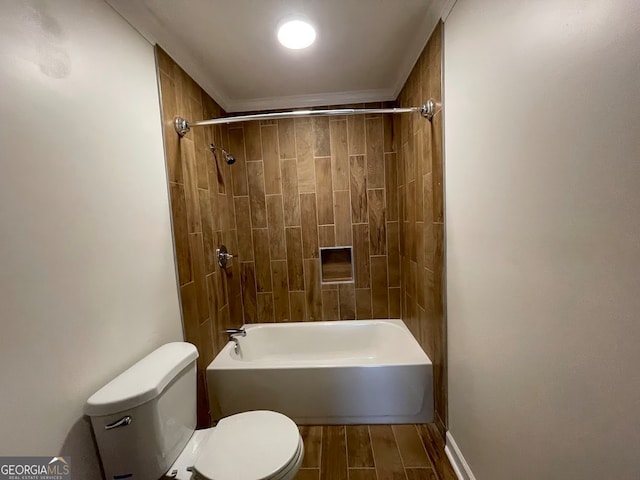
(340,372)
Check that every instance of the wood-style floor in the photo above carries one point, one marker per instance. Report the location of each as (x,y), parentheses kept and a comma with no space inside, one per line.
(374,452)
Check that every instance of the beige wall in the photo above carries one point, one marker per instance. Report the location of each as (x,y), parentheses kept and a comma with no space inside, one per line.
(542,154)
(87,276)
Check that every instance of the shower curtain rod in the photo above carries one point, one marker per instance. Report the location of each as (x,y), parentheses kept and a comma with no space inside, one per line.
(183,126)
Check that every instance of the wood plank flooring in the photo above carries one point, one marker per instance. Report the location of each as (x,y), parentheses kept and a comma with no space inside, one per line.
(374,452)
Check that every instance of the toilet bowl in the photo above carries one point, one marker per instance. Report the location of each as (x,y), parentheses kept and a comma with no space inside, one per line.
(251,445)
(144,424)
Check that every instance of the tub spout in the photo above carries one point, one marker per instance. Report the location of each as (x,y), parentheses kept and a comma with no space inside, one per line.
(232,332)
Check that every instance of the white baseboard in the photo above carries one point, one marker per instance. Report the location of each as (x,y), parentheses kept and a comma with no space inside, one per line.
(459,464)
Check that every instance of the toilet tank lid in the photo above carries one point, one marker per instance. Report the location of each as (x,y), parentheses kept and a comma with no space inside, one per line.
(143,381)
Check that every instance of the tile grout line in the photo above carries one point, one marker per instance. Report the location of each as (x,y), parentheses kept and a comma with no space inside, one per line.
(333,210)
(284,225)
(351,225)
(297,200)
(433,465)
(333,199)
(346,453)
(315,198)
(395,438)
(284,233)
(366,193)
(266,213)
(373,455)
(321,453)
(386,216)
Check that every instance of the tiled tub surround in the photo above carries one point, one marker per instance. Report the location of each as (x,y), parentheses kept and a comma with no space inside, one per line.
(372,182)
(297,185)
(306,183)
(202,217)
(421,203)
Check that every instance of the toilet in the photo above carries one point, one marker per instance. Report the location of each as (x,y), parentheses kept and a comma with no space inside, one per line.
(144,424)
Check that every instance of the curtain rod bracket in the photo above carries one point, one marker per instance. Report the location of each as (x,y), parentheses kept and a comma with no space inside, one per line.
(181,125)
(428,110)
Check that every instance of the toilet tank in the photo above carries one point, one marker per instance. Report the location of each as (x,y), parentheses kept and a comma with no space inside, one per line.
(144,417)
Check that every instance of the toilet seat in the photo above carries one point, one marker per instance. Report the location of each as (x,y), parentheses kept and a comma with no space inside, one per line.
(257,445)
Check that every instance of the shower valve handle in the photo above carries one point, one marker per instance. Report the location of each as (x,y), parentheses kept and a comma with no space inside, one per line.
(224,257)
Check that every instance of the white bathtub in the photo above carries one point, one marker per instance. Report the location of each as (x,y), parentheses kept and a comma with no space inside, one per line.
(342,372)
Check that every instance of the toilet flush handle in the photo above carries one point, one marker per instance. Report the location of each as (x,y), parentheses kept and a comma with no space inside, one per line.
(123,422)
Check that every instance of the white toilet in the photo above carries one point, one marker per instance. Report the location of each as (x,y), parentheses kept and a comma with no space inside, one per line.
(144,423)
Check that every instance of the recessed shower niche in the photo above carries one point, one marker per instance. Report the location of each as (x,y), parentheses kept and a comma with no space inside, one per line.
(336,265)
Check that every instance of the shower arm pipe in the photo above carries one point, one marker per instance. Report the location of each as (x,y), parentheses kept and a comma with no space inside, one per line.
(182,125)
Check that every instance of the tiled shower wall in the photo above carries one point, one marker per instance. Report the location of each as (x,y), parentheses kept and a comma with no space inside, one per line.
(297,185)
(302,184)
(202,217)
(421,200)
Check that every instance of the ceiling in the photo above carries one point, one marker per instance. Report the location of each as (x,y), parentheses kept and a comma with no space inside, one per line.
(364,50)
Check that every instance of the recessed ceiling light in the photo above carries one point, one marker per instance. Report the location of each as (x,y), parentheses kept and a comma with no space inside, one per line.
(296,34)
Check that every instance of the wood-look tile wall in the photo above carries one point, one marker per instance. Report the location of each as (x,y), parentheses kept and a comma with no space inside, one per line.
(373,182)
(297,185)
(202,207)
(301,184)
(421,206)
